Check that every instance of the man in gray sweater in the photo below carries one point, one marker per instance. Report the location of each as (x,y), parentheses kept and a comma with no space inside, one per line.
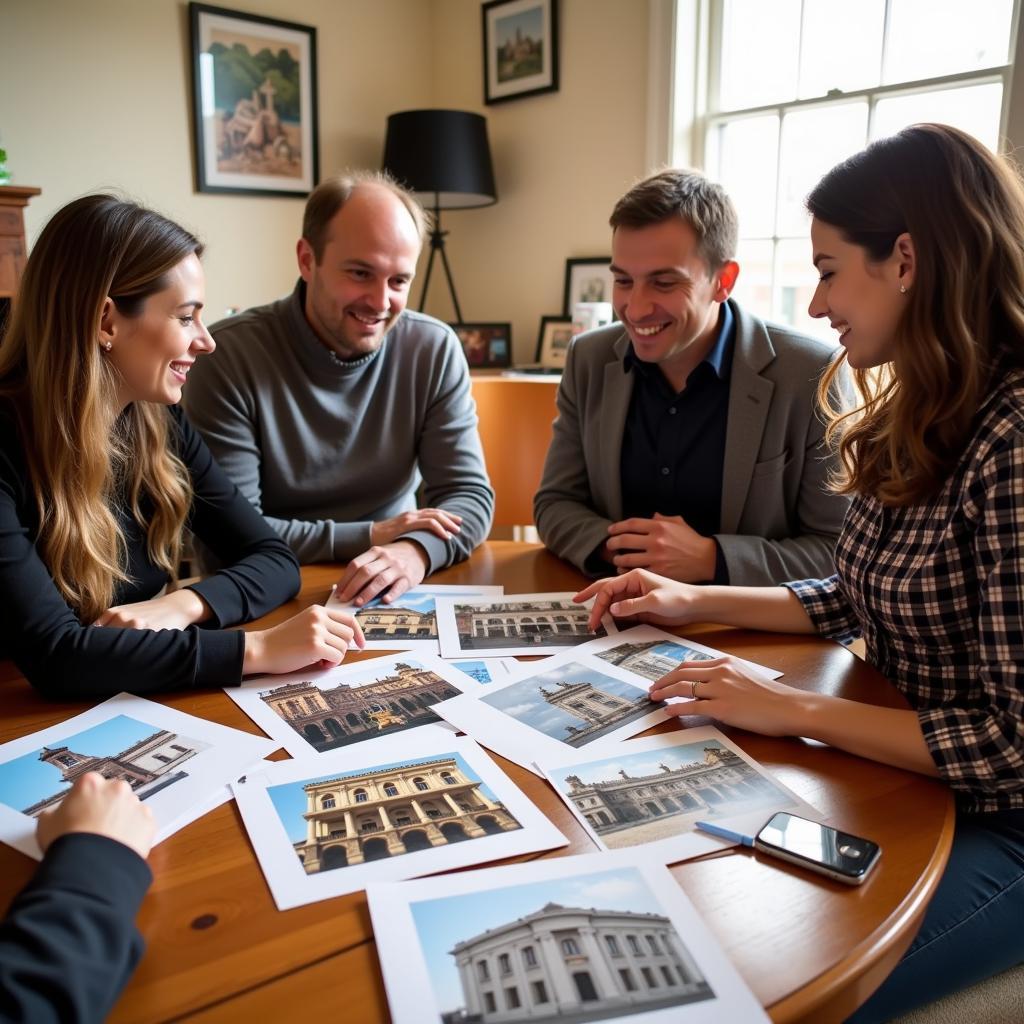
(330,406)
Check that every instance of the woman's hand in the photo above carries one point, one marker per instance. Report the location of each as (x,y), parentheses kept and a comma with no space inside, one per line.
(316,635)
(642,595)
(731,692)
(177,610)
(105,807)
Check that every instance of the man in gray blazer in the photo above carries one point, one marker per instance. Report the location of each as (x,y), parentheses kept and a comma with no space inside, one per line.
(688,439)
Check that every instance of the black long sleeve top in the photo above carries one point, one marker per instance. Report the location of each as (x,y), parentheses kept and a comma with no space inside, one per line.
(69,944)
(62,657)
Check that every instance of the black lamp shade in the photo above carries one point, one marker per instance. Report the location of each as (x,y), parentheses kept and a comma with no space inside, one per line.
(442,156)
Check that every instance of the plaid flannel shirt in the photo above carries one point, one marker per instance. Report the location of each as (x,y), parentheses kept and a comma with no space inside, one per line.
(937,592)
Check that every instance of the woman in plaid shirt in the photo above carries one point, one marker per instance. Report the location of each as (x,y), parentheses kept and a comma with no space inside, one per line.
(919,245)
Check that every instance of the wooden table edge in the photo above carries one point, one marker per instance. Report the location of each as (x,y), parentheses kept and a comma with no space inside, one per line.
(836,993)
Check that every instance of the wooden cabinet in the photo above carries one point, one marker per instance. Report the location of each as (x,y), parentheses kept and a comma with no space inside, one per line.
(13,251)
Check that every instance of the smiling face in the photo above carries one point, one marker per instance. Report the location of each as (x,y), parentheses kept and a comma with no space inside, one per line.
(860,297)
(153,351)
(357,290)
(665,295)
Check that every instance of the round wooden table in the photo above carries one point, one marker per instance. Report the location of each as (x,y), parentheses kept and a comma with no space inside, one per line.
(810,949)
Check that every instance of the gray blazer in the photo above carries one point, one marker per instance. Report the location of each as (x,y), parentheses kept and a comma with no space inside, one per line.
(778,520)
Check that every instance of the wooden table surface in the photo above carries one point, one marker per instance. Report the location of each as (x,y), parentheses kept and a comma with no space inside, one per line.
(811,949)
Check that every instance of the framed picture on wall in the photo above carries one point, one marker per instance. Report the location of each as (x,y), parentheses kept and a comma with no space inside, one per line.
(487,346)
(520,48)
(553,341)
(254,103)
(587,279)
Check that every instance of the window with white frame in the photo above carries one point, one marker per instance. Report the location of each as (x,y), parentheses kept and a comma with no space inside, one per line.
(795,86)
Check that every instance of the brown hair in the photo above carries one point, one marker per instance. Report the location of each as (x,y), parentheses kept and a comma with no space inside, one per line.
(333,193)
(702,203)
(83,454)
(963,208)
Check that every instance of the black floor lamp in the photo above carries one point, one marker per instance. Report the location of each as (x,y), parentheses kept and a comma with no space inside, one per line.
(442,156)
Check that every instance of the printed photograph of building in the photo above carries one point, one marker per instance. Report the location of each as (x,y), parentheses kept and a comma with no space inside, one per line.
(652,659)
(656,794)
(351,712)
(594,947)
(387,810)
(572,703)
(525,624)
(412,618)
(148,759)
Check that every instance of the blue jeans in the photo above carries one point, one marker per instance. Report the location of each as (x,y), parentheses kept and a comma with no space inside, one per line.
(973,928)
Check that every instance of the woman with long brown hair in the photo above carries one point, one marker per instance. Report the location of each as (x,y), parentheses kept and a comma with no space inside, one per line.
(919,245)
(101,475)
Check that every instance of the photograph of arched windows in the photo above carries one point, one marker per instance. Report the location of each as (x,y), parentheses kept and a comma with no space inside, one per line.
(321,710)
(563,941)
(416,807)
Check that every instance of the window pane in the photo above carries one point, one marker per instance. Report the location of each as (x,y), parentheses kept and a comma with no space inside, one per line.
(760,44)
(975,109)
(856,62)
(753,289)
(813,142)
(795,281)
(747,154)
(928,38)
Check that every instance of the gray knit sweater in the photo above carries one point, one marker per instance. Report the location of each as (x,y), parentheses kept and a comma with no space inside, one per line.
(324,448)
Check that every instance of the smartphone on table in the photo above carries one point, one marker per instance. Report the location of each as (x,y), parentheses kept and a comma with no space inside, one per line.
(839,855)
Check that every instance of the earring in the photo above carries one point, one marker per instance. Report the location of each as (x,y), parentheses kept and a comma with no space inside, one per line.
(107,346)
(903,291)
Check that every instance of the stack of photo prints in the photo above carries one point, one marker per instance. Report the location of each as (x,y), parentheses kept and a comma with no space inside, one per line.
(388,782)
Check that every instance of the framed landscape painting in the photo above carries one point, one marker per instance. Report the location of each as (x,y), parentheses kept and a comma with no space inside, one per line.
(255,104)
(520,48)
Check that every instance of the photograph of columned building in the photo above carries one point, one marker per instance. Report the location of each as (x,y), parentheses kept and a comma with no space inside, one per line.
(572,703)
(122,748)
(524,624)
(704,781)
(413,618)
(347,713)
(575,963)
(652,659)
(386,811)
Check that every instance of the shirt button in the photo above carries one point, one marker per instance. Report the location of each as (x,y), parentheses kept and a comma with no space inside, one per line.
(664,470)
(672,410)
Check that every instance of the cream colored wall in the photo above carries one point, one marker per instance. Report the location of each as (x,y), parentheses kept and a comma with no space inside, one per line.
(561,160)
(97,94)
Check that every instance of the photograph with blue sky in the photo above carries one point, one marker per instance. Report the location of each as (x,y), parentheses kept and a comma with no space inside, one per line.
(524,701)
(411,601)
(478,670)
(27,780)
(289,799)
(443,923)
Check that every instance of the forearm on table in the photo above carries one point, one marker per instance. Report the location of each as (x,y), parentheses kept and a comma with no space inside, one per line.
(888,735)
(774,609)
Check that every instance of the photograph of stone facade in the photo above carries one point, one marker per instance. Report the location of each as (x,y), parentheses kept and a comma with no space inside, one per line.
(652,659)
(598,947)
(148,759)
(386,811)
(522,625)
(572,703)
(346,713)
(653,795)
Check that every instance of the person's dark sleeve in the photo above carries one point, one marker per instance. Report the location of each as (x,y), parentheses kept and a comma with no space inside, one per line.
(69,944)
(261,572)
(62,658)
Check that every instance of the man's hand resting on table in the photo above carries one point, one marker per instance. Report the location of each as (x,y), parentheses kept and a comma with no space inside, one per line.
(666,545)
(435,520)
(386,570)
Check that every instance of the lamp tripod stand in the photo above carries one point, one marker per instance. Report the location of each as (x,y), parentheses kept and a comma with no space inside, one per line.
(437,237)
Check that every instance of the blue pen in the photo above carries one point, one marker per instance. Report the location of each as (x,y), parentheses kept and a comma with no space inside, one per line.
(725,833)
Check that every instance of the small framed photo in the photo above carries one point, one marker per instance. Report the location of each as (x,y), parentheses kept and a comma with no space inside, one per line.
(520,48)
(255,104)
(487,346)
(553,341)
(587,279)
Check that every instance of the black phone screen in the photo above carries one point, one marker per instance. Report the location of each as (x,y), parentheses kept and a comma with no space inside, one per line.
(839,851)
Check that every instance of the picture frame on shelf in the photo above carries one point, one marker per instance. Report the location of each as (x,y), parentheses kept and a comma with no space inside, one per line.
(253,139)
(487,346)
(520,39)
(553,341)
(587,279)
